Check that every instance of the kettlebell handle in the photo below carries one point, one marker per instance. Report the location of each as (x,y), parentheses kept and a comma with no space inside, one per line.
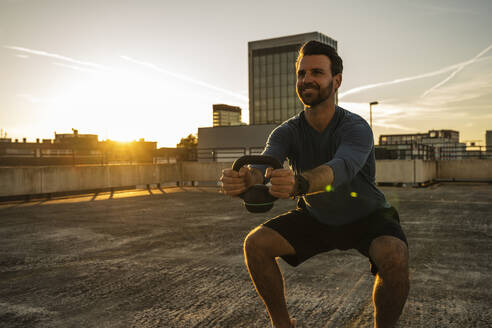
(257,198)
(256,159)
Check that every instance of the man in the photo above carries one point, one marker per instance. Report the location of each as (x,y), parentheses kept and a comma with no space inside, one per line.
(331,153)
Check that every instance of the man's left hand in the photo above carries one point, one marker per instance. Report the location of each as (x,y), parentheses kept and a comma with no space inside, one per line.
(282,181)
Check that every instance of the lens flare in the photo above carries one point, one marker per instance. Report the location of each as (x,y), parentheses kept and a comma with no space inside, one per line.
(329,188)
(353,194)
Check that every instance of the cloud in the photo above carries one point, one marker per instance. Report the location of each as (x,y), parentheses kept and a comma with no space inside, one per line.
(92,67)
(460,91)
(187,78)
(77,68)
(384,115)
(457,70)
(411,78)
(59,57)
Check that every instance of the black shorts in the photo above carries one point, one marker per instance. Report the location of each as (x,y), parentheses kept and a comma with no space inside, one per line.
(309,237)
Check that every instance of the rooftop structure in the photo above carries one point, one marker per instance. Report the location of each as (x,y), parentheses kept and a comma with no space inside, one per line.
(229,143)
(74,148)
(88,140)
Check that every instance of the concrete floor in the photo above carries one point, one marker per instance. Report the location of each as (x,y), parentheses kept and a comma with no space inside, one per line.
(174,259)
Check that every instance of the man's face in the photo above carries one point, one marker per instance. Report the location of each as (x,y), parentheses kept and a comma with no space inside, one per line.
(314,80)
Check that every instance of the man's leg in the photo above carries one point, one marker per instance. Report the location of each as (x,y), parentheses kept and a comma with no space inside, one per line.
(390,255)
(261,247)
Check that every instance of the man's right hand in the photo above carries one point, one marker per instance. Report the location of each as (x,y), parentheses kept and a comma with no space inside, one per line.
(235,183)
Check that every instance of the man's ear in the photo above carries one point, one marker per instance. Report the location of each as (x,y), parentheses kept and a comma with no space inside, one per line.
(337,80)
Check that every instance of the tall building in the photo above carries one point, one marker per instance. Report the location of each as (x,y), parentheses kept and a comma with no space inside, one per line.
(225,115)
(488,140)
(272,77)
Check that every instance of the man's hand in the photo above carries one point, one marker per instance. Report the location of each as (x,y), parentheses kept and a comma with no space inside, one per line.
(235,183)
(282,181)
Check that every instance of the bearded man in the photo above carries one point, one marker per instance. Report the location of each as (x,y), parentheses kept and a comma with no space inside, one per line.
(332,172)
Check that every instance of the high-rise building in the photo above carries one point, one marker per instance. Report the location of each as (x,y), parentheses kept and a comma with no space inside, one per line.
(272,77)
(225,115)
(488,140)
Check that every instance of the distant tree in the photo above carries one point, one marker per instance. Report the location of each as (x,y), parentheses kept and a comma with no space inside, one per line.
(190,142)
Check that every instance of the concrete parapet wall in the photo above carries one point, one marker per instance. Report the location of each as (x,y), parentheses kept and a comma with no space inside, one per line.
(207,171)
(411,171)
(466,169)
(425,171)
(52,179)
(394,171)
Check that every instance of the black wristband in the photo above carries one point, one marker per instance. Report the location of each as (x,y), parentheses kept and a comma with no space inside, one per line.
(301,186)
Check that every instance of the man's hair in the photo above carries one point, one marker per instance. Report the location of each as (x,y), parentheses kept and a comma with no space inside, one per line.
(317,48)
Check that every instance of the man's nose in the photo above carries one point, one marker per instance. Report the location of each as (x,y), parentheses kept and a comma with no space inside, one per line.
(307,77)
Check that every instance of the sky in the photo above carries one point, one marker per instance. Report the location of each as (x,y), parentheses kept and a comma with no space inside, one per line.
(152,69)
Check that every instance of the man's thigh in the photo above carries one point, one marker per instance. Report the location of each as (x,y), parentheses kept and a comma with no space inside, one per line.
(307,236)
(384,227)
(267,241)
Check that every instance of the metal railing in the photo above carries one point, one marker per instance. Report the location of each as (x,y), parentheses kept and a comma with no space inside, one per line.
(451,153)
(427,152)
(405,151)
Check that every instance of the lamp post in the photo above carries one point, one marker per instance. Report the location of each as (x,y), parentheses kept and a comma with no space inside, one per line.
(370,111)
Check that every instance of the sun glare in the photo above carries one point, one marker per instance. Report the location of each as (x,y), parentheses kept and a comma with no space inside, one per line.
(126,106)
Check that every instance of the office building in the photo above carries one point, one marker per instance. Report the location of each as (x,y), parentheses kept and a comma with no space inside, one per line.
(225,115)
(435,144)
(272,77)
(432,137)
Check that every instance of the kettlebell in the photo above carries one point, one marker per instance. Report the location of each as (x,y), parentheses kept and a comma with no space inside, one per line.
(256,198)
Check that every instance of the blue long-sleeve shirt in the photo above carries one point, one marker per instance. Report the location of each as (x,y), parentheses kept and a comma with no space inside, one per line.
(347,146)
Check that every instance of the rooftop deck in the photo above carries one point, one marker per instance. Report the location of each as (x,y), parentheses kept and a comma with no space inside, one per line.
(173,258)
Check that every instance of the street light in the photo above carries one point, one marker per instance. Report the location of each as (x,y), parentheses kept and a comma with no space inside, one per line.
(370,111)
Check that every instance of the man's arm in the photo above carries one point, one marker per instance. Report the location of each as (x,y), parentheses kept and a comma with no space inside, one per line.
(234,183)
(350,157)
(319,178)
(285,184)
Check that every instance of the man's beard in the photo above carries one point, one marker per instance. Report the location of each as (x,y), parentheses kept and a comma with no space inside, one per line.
(323,94)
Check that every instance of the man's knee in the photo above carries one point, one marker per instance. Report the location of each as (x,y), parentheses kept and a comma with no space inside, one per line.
(390,255)
(263,241)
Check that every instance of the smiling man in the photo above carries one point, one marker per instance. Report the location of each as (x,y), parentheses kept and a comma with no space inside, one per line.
(332,172)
